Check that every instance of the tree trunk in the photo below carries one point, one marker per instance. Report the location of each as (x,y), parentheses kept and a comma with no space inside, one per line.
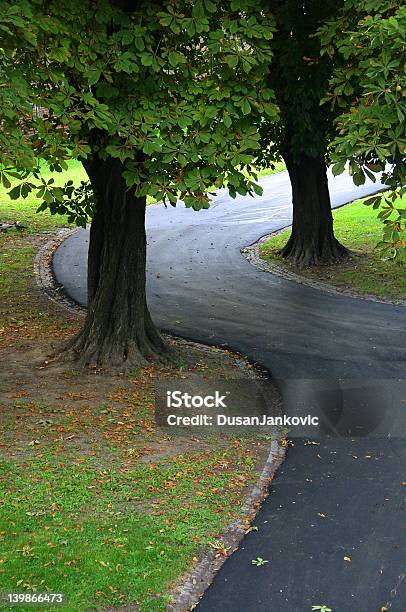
(312,240)
(118,331)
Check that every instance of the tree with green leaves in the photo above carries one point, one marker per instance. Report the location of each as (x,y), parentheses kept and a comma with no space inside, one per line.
(367,43)
(338,75)
(156,99)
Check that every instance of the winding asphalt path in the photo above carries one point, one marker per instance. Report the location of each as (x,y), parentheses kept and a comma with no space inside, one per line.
(339,357)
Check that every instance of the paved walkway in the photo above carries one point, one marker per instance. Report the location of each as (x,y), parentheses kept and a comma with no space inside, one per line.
(340,357)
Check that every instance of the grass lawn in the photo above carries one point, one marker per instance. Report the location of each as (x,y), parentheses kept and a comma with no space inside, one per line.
(359,229)
(95,502)
(277,167)
(23,209)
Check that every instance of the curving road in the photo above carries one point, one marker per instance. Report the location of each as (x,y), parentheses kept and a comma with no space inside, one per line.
(336,356)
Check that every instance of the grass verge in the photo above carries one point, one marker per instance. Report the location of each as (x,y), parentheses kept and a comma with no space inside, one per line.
(359,229)
(95,502)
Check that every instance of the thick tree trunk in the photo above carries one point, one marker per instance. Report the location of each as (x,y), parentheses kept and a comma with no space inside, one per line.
(312,240)
(118,331)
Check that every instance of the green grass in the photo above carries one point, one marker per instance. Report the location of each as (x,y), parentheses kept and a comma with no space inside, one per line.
(97,535)
(277,167)
(23,209)
(359,229)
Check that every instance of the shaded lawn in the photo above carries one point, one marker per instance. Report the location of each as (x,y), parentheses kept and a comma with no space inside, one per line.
(101,536)
(359,229)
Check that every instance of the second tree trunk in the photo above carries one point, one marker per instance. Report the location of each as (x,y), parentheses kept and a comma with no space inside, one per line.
(312,240)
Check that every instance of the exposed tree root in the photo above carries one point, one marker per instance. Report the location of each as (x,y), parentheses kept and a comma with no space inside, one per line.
(306,254)
(90,351)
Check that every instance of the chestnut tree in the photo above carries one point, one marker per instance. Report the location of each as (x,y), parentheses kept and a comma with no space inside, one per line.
(161,99)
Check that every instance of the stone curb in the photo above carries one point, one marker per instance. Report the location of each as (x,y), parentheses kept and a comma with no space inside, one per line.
(252,255)
(45,277)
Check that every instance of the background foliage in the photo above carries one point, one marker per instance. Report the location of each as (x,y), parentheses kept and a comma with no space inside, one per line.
(366,42)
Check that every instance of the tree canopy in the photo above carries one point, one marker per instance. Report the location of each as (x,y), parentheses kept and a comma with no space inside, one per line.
(366,42)
(175,91)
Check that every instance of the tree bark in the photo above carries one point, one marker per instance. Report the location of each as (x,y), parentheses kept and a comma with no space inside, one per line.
(118,330)
(312,240)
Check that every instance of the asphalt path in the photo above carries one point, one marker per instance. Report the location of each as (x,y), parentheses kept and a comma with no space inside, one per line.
(332,529)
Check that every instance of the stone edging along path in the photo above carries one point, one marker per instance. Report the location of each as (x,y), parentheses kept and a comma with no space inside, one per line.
(45,277)
(252,253)
(189,589)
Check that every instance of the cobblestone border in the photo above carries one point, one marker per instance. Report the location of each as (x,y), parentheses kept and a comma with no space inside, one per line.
(252,255)
(45,277)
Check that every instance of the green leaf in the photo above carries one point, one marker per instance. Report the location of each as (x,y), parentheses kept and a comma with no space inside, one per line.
(210,6)
(227,120)
(232,60)
(139,43)
(127,37)
(93,75)
(338,168)
(14,194)
(358,178)
(148,147)
(176,58)
(258,189)
(146,59)
(246,107)
(183,122)
(5,181)
(198,10)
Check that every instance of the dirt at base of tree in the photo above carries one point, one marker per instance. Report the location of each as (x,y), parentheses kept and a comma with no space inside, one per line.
(49,405)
